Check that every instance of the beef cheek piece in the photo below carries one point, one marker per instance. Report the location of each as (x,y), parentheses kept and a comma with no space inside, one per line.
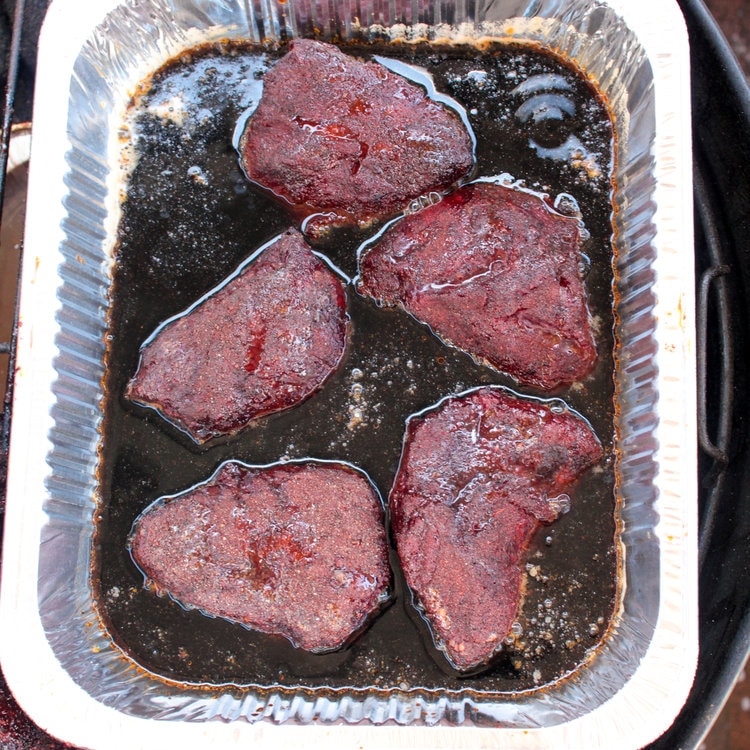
(296,549)
(264,341)
(496,272)
(348,139)
(479,473)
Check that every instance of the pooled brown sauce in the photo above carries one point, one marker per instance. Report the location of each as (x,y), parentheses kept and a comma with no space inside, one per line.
(189,219)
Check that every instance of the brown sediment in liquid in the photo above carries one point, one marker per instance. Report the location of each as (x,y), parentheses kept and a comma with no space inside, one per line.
(190,218)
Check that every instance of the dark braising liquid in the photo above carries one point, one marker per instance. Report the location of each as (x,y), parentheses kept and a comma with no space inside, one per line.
(190,217)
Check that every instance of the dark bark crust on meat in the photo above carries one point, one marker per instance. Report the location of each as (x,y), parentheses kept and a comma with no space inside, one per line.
(348,139)
(479,473)
(497,273)
(296,549)
(264,341)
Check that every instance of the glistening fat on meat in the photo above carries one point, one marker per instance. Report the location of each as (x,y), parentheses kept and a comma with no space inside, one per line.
(349,140)
(265,340)
(479,473)
(297,549)
(496,272)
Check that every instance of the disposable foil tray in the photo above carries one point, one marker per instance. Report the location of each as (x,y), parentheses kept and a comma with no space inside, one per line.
(58,659)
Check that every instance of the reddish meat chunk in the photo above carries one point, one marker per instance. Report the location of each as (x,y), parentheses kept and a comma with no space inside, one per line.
(349,139)
(264,341)
(496,272)
(296,549)
(479,473)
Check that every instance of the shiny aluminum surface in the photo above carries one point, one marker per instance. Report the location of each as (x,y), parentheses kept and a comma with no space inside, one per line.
(90,60)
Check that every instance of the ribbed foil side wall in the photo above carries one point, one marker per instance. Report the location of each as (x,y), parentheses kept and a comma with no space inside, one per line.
(133,40)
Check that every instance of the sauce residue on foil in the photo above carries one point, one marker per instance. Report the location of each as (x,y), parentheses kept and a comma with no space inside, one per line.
(190,217)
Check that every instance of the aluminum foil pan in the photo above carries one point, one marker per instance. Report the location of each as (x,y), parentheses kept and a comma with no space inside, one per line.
(58,659)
